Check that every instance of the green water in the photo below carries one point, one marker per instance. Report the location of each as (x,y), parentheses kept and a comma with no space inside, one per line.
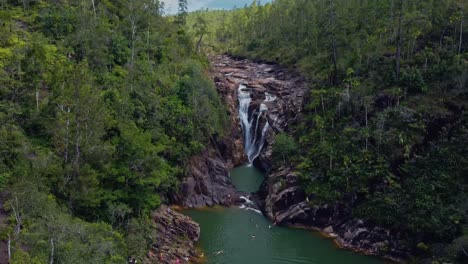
(230,230)
(247,178)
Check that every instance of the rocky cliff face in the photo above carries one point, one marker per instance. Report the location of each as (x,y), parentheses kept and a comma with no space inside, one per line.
(281,197)
(175,236)
(285,203)
(208,182)
(282,91)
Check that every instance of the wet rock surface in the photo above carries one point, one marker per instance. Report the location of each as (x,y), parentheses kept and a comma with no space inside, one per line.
(175,238)
(207,182)
(281,90)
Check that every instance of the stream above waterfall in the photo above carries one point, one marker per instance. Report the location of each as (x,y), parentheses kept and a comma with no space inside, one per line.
(228,231)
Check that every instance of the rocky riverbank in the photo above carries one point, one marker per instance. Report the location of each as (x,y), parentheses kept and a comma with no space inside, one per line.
(175,235)
(281,197)
(286,203)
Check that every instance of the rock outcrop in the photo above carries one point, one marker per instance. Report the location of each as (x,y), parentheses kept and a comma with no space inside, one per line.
(286,203)
(175,237)
(208,182)
(285,89)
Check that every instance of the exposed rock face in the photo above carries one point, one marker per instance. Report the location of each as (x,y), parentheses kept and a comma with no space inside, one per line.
(281,197)
(286,203)
(286,89)
(175,236)
(208,182)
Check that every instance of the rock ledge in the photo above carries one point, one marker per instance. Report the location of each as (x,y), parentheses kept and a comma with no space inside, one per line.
(176,235)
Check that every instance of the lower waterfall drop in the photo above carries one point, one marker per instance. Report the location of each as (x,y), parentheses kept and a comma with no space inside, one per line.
(253,141)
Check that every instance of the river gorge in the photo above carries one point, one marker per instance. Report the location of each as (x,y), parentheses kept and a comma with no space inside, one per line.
(249,211)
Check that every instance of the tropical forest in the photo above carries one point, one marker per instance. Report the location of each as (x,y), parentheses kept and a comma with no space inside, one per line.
(233,131)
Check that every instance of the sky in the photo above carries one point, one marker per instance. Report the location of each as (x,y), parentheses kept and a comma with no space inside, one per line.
(171,5)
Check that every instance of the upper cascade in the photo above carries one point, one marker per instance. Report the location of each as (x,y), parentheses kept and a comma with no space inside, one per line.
(251,122)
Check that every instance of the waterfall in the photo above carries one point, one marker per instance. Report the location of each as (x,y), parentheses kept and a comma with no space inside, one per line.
(253,141)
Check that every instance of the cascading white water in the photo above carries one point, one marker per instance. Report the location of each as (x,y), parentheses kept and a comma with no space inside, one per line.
(252,144)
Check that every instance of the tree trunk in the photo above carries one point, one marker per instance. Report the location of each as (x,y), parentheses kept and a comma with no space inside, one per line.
(461,35)
(9,248)
(333,40)
(367,126)
(335,58)
(323,104)
(392,17)
(66,112)
(94,8)
(133,42)
(199,43)
(132,59)
(77,141)
(441,39)
(52,249)
(76,161)
(37,100)
(67,139)
(366,117)
(148,44)
(16,212)
(399,41)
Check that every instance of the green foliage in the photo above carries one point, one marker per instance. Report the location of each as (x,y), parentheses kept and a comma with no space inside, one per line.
(457,250)
(285,147)
(21,257)
(384,129)
(46,226)
(139,237)
(412,80)
(102,103)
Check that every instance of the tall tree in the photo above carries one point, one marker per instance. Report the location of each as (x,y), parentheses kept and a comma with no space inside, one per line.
(399,38)
(201,29)
(182,12)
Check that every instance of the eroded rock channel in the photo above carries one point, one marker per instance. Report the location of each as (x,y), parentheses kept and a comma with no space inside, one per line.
(267,87)
(263,100)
